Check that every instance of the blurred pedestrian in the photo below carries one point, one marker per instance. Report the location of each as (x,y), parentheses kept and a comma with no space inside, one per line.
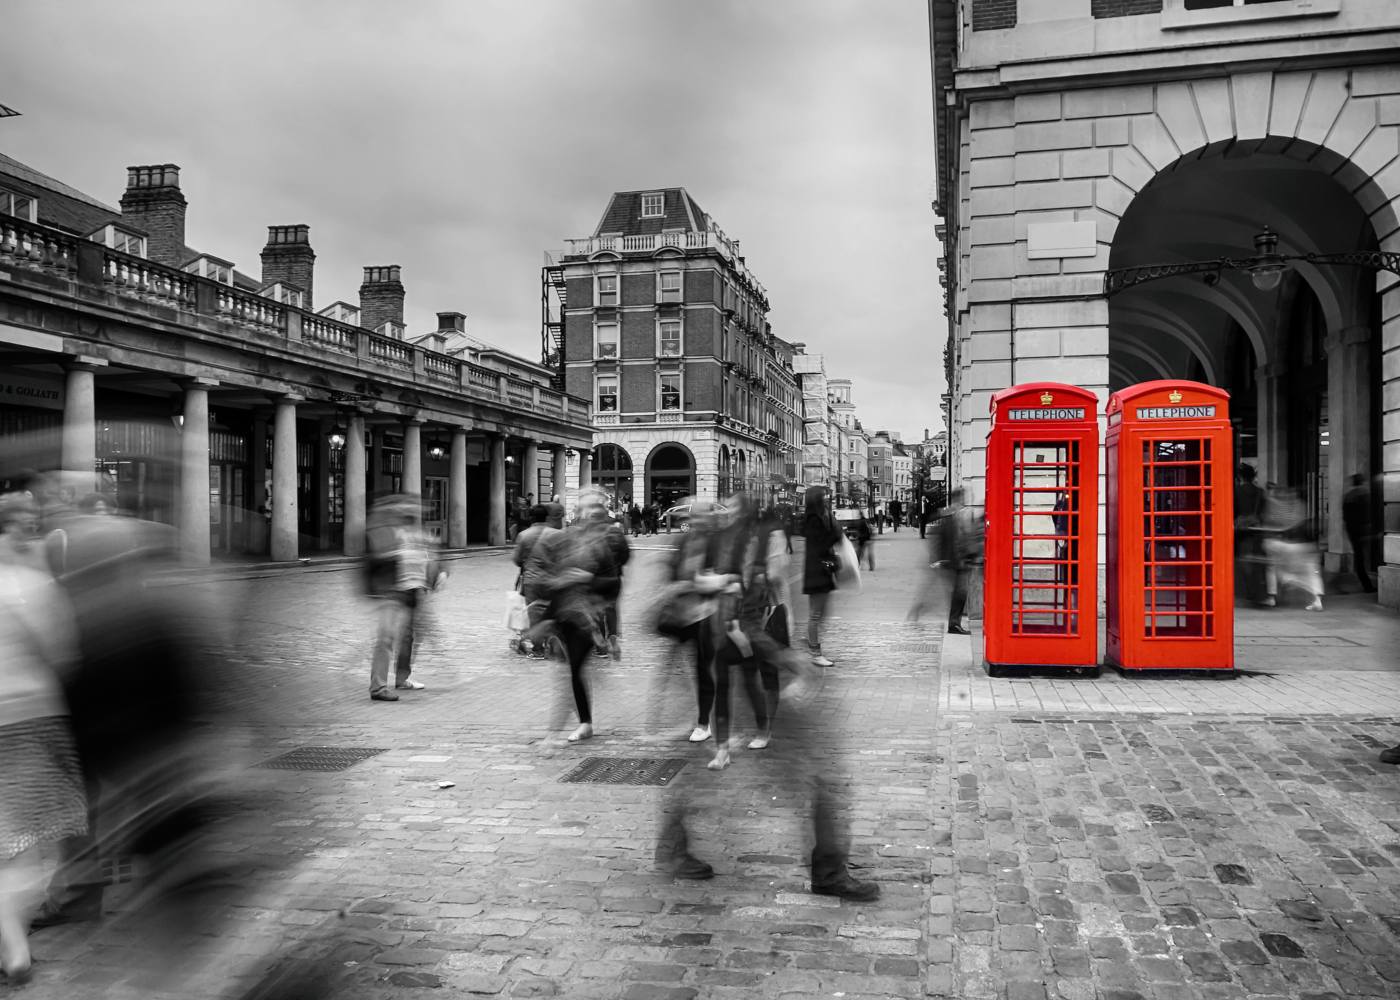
(959,550)
(865,543)
(1289,549)
(532,640)
(1249,518)
(577,573)
(1356,519)
(634,517)
(401,569)
(821,535)
(692,603)
(42,798)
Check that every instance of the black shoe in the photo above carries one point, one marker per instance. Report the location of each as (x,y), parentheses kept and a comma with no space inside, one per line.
(848,888)
(1391,756)
(957,630)
(52,915)
(691,867)
(383,694)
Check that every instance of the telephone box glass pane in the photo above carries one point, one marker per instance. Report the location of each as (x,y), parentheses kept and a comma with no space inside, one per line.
(1045,526)
(1178,547)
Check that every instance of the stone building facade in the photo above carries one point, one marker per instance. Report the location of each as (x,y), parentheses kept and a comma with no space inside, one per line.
(658,320)
(188,392)
(1202,189)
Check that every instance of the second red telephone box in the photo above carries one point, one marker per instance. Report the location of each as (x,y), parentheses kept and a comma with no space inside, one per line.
(1170,577)
(1040,605)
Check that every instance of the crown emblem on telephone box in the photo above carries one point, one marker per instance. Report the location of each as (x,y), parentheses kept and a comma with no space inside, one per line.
(1046,399)
(1175,396)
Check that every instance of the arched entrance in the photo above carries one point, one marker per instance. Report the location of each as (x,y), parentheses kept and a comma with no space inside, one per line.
(612,473)
(670,474)
(1301,357)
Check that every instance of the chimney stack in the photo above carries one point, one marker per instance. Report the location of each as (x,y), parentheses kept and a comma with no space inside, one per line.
(452,322)
(289,259)
(153,202)
(381,297)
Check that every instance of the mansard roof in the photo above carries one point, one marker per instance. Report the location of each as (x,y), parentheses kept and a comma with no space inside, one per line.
(624,214)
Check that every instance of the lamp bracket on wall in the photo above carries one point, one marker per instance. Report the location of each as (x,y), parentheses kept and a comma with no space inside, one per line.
(1265,268)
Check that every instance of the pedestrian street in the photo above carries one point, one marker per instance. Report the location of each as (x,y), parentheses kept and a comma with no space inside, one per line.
(1032,837)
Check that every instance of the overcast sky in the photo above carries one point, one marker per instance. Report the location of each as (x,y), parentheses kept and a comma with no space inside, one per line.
(463,139)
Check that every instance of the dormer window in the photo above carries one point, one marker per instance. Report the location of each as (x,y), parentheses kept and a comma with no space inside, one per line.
(21,206)
(390,329)
(207,266)
(341,312)
(123,240)
(653,205)
(288,295)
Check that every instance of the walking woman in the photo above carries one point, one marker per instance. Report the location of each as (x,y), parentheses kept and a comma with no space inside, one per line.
(821,534)
(42,797)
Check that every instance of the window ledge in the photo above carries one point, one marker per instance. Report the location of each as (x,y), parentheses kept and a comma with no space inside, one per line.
(1176,17)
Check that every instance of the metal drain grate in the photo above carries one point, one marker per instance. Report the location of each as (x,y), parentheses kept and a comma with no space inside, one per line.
(321,758)
(624,771)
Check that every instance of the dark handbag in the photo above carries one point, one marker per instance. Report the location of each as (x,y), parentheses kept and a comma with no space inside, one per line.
(775,623)
(676,618)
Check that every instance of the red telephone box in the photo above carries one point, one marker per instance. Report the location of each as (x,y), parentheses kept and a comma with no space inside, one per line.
(1040,605)
(1170,577)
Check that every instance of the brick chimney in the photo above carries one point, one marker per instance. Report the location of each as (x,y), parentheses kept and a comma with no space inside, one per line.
(381,297)
(153,202)
(452,322)
(288,258)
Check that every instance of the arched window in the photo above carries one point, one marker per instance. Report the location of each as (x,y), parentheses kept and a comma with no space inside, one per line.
(612,472)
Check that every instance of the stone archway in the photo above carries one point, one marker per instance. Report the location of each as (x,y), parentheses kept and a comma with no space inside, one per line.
(612,472)
(670,472)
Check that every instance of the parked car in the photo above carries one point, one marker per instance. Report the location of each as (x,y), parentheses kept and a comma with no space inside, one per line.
(678,517)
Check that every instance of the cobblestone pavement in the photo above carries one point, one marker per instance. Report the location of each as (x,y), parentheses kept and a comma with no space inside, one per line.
(1242,843)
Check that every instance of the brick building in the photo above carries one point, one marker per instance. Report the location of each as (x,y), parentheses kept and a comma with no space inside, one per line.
(191,393)
(1202,189)
(658,320)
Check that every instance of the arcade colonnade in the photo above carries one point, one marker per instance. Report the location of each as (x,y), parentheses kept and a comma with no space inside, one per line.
(1055,188)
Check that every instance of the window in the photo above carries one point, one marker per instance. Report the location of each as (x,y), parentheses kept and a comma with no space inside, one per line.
(1211,4)
(607,393)
(1195,13)
(671,392)
(653,205)
(670,346)
(119,239)
(607,341)
(21,206)
(668,286)
(607,291)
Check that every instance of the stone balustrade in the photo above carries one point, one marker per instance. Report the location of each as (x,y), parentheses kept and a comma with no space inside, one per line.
(651,242)
(27,246)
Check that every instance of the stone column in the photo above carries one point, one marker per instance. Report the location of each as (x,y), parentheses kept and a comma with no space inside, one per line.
(1349,428)
(355,486)
(284,481)
(497,515)
(1273,436)
(80,422)
(376,459)
(530,470)
(413,460)
(457,491)
(194,474)
(585,468)
(559,471)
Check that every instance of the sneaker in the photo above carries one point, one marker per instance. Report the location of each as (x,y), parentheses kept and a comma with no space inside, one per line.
(761,741)
(847,887)
(700,734)
(383,694)
(1391,756)
(410,685)
(583,732)
(821,661)
(1316,605)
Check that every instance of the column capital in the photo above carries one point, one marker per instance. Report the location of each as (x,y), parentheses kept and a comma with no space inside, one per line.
(286,397)
(197,382)
(84,363)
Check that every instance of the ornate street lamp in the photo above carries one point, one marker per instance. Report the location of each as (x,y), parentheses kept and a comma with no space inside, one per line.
(337,435)
(437,449)
(1265,268)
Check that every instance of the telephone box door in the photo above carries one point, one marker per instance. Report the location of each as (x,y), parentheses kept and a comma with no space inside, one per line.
(1041,581)
(1170,572)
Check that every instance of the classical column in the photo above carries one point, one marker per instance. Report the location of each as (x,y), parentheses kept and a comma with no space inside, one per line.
(413,460)
(530,470)
(457,491)
(355,486)
(497,523)
(585,468)
(1349,426)
(559,471)
(1273,434)
(284,481)
(194,474)
(80,421)
(376,459)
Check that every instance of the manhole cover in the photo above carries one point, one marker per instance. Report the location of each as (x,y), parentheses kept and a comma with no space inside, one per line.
(321,758)
(624,771)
